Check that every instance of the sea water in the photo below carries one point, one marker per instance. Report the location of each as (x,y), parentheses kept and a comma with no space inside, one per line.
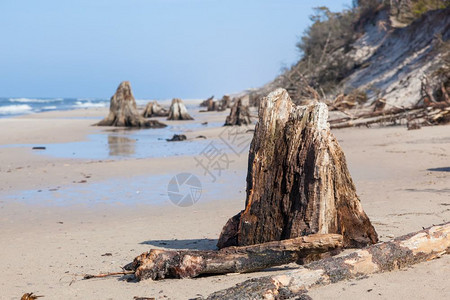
(10,107)
(21,106)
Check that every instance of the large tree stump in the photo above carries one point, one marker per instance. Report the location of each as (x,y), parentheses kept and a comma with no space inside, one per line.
(402,252)
(123,111)
(154,109)
(159,264)
(239,115)
(178,111)
(297,182)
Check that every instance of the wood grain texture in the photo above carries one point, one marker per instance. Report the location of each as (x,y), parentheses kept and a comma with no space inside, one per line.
(123,111)
(158,264)
(297,181)
(399,253)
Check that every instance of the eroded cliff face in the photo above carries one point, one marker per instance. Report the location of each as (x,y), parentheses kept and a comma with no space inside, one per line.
(391,62)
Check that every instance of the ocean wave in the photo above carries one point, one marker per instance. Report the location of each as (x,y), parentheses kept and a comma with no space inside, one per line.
(30,100)
(89,104)
(165,102)
(49,107)
(142,101)
(15,109)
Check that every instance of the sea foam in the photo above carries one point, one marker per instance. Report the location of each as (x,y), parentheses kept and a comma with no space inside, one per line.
(30,100)
(15,109)
(88,104)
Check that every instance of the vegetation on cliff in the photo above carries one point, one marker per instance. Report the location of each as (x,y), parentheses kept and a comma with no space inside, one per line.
(373,50)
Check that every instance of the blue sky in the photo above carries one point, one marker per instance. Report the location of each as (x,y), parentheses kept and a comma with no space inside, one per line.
(166,48)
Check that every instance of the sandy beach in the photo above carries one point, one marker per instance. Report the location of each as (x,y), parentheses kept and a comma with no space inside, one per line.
(95,198)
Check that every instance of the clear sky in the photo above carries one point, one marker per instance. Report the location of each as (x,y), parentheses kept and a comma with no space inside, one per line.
(166,48)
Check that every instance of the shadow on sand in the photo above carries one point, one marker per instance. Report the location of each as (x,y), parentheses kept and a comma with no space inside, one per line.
(192,244)
(444,169)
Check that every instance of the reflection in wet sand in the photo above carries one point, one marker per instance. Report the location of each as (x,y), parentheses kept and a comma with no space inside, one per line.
(121,146)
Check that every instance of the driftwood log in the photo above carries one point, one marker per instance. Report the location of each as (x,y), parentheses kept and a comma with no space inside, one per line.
(123,111)
(402,252)
(239,115)
(432,114)
(178,111)
(154,109)
(158,264)
(297,181)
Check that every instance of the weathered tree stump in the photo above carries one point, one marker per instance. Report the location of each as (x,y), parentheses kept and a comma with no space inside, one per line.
(297,182)
(206,103)
(158,264)
(178,111)
(123,111)
(399,253)
(154,109)
(219,105)
(225,102)
(239,115)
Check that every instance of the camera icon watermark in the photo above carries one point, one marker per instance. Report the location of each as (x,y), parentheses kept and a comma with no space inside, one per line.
(184,189)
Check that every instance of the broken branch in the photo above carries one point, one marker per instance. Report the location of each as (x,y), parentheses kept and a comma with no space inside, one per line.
(399,253)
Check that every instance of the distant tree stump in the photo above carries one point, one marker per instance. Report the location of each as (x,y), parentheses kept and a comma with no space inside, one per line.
(123,111)
(225,102)
(178,111)
(220,105)
(297,182)
(206,103)
(154,109)
(239,115)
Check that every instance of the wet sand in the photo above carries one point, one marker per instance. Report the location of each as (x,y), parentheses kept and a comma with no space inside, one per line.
(61,213)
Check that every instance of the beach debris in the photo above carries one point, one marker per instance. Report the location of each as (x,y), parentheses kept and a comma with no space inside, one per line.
(178,111)
(201,137)
(239,115)
(297,182)
(38,148)
(402,252)
(205,123)
(422,115)
(177,138)
(123,111)
(154,109)
(30,296)
(143,298)
(413,125)
(159,263)
(107,254)
(103,275)
(433,108)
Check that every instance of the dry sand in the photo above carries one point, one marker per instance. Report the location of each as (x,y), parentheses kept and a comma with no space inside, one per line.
(402,177)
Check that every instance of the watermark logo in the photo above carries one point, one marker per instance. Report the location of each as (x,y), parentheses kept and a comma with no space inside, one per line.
(184,189)
(236,138)
(213,159)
